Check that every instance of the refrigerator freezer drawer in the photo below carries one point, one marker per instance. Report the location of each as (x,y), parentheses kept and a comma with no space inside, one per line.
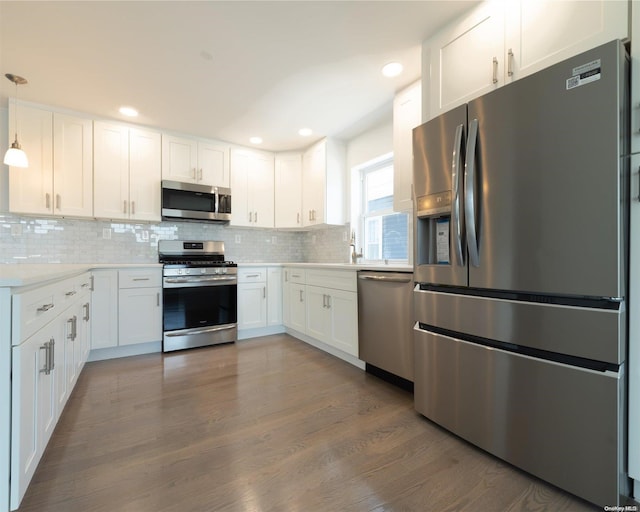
(558,422)
(589,333)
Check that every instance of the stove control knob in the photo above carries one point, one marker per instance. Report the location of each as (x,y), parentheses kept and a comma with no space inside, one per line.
(223,270)
(216,270)
(179,271)
(203,270)
(187,271)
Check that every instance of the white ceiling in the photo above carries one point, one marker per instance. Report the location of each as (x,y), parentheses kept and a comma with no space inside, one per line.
(220,69)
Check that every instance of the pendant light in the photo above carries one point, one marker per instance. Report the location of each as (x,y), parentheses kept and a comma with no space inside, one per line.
(14,156)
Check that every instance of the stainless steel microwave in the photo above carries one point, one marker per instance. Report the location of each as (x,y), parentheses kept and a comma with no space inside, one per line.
(188,201)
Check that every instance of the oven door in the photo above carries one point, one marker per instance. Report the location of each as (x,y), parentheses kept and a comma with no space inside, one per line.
(199,311)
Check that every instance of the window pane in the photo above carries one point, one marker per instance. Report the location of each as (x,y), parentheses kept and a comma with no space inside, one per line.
(394,236)
(372,238)
(378,191)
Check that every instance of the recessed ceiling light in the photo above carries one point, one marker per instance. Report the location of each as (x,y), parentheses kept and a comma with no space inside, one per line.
(305,132)
(392,69)
(128,111)
(255,140)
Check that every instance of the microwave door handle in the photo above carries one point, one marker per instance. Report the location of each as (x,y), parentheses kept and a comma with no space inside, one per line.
(216,201)
(456,177)
(469,194)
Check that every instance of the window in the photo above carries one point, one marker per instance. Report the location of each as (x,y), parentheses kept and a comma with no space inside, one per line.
(383,231)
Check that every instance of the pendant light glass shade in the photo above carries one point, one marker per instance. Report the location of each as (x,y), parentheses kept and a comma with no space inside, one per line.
(15,156)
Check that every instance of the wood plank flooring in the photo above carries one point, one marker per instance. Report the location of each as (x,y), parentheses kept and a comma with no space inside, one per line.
(269,424)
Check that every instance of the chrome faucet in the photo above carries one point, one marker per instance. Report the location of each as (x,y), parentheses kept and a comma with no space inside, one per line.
(354,254)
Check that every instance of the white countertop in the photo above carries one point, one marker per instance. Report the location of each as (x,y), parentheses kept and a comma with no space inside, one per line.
(27,274)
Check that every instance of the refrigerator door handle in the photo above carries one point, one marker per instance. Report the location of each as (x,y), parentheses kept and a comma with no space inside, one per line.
(456,176)
(469,194)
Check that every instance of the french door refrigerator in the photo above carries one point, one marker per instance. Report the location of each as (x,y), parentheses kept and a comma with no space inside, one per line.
(521,230)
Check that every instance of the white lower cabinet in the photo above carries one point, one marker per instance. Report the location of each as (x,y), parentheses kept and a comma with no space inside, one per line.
(140,315)
(259,297)
(323,304)
(48,355)
(126,307)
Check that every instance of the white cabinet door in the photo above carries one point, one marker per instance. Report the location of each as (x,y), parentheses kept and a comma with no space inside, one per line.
(31,189)
(139,315)
(297,307)
(72,165)
(274,296)
(261,189)
(252,188)
(179,159)
(318,315)
(144,174)
(111,170)
(314,164)
(407,114)
(542,33)
(286,287)
(104,309)
(240,213)
(213,164)
(466,58)
(288,190)
(252,305)
(343,308)
(68,370)
(33,404)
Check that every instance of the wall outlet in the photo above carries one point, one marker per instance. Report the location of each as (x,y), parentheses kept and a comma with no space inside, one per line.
(145,235)
(238,239)
(106,233)
(274,239)
(16,229)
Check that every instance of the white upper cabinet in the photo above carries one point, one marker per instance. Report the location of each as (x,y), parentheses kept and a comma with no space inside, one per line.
(541,33)
(288,190)
(72,166)
(407,114)
(502,41)
(126,172)
(195,161)
(58,180)
(252,185)
(466,58)
(323,183)
(144,174)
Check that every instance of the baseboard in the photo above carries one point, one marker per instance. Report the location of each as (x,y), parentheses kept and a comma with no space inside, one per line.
(100,354)
(326,348)
(245,334)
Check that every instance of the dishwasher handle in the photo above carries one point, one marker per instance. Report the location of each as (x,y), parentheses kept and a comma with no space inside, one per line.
(388,279)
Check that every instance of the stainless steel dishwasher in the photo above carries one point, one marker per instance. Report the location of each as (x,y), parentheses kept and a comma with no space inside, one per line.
(385,322)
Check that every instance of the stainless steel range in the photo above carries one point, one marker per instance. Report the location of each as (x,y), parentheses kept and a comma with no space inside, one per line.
(199,289)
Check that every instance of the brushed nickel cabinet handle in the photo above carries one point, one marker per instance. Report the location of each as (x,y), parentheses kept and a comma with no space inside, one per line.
(510,62)
(495,70)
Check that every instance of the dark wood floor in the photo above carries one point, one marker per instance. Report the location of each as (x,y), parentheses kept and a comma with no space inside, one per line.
(269,424)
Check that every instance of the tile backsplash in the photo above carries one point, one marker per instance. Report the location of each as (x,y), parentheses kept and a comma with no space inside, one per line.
(58,240)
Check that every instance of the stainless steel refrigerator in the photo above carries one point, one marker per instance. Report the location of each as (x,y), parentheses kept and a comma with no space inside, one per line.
(521,243)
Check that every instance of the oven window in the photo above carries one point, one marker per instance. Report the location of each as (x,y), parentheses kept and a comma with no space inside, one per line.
(204,306)
(186,200)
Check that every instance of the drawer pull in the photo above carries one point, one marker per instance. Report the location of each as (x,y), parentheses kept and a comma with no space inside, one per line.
(140,278)
(70,294)
(252,275)
(45,307)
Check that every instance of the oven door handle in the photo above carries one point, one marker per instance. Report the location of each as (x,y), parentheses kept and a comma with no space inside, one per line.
(204,281)
(182,332)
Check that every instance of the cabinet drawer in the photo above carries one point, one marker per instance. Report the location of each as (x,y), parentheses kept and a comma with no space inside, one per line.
(140,278)
(336,279)
(33,309)
(252,275)
(295,275)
